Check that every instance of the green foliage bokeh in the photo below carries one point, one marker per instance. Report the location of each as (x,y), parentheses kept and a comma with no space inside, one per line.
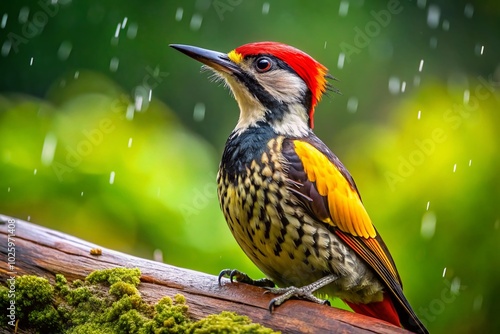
(111,136)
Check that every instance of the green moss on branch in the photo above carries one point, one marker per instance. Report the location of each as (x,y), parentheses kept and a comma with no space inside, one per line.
(108,301)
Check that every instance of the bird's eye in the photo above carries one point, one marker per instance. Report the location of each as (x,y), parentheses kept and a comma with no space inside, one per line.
(263,64)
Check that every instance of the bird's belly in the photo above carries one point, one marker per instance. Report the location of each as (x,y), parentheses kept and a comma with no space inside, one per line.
(288,245)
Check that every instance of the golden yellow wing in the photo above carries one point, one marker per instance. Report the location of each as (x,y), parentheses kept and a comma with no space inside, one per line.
(328,192)
(324,186)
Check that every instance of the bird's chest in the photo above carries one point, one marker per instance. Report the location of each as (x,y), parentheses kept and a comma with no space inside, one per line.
(265,218)
(272,227)
(253,194)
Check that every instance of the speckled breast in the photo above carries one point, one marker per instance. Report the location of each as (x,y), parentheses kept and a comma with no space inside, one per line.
(274,228)
(263,216)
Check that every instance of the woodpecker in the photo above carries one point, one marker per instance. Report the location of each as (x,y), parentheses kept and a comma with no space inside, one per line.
(290,203)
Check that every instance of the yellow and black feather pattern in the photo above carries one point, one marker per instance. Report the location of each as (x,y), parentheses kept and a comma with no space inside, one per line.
(279,225)
(332,197)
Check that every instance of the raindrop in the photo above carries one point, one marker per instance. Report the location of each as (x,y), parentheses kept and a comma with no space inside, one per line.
(454,168)
(479,49)
(324,45)
(129,142)
(35,171)
(141,98)
(433,42)
(340,62)
(428,205)
(158,255)
(419,113)
(29,218)
(394,85)
(199,112)
(4,20)
(478,303)
(468,10)
(124,22)
(64,50)
(31,61)
(455,285)
(23,15)
(343,8)
(178,14)
(112,177)
(150,94)
(428,226)
(446,25)
(6,47)
(117,30)
(444,272)
(132,30)
(265,8)
(129,115)
(8,189)
(421,65)
(433,13)
(113,64)
(77,74)
(421,3)
(196,21)
(138,102)
(403,86)
(81,194)
(352,104)
(470,163)
(49,148)
(466,96)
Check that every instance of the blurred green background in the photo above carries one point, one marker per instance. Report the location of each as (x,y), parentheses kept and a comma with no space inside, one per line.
(108,134)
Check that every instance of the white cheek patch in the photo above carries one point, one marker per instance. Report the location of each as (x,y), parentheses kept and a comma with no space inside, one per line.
(286,87)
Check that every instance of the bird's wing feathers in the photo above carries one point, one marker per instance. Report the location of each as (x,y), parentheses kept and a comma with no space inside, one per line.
(326,189)
(331,196)
(343,203)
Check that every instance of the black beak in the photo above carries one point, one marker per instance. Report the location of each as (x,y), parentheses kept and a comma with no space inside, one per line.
(217,60)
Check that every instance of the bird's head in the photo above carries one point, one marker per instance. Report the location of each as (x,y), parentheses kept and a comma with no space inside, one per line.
(272,82)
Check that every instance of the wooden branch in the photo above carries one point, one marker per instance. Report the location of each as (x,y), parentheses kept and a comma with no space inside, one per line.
(44,252)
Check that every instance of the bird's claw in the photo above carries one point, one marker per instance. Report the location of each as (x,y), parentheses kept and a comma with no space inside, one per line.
(305,292)
(286,293)
(244,278)
(231,274)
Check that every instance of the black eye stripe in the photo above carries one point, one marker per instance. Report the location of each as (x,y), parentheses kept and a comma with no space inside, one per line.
(257,90)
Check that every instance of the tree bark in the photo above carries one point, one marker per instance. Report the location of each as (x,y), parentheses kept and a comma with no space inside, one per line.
(44,252)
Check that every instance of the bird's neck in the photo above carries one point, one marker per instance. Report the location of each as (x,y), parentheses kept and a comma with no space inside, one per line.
(244,147)
(289,120)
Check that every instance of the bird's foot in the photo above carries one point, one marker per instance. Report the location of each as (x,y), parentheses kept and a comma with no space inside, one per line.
(305,292)
(244,278)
